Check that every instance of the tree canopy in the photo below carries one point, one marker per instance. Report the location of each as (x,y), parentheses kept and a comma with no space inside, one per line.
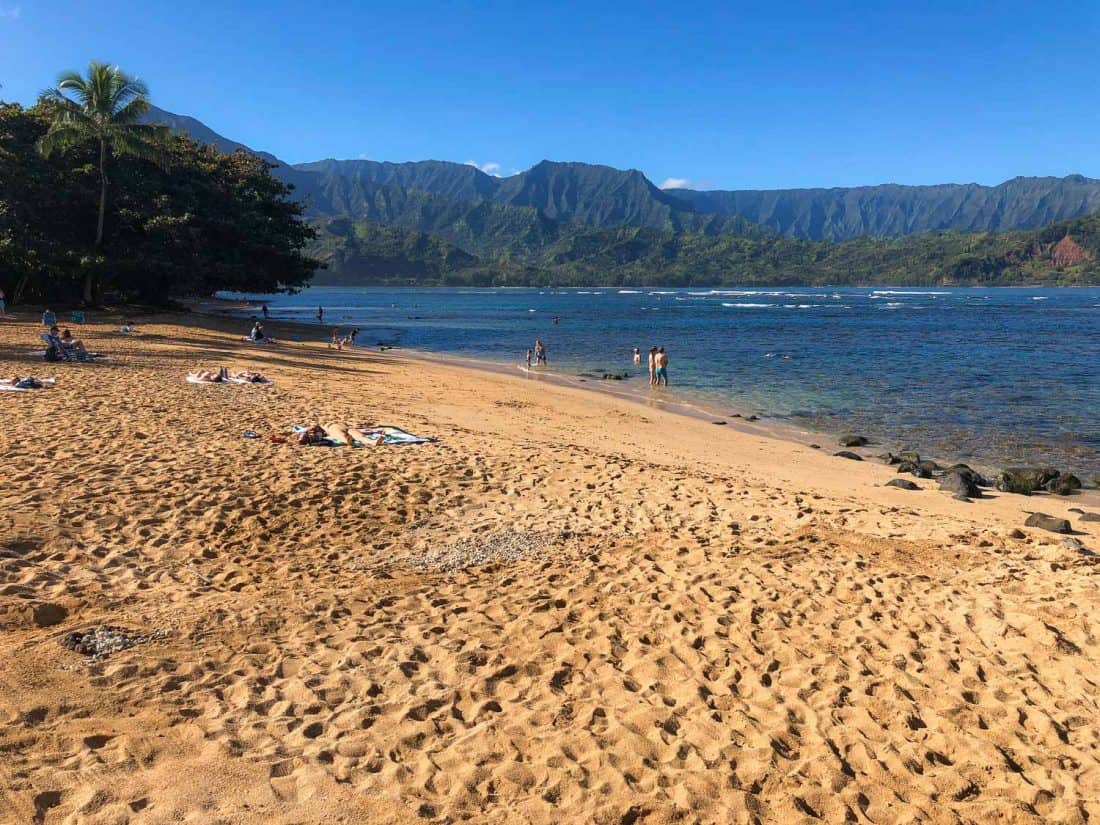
(185,220)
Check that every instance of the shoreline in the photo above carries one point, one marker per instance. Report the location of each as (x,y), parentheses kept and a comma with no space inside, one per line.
(764,424)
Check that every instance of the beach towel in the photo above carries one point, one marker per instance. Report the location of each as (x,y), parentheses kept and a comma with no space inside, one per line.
(11,384)
(395,435)
(194,379)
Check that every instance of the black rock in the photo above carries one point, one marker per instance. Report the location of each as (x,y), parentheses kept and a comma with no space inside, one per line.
(913,469)
(961,497)
(910,455)
(753,418)
(902,483)
(1025,480)
(1064,485)
(890,458)
(1089,517)
(929,466)
(1045,522)
(852,441)
(815,446)
(960,484)
(849,455)
(719,423)
(966,472)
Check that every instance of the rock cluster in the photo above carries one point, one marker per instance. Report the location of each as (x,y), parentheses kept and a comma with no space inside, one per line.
(504,546)
(1028,480)
(100,642)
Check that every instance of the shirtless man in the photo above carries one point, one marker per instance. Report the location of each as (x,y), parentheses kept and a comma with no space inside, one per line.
(660,362)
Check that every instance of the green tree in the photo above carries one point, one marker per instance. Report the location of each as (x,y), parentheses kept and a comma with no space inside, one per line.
(106,108)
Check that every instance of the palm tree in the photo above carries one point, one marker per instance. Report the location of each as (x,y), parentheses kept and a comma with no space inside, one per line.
(107,108)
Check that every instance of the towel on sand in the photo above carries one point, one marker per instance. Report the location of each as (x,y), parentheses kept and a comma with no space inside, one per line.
(193,379)
(387,435)
(9,384)
(395,435)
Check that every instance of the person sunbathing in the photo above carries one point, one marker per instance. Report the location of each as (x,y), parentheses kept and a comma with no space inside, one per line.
(248,377)
(208,377)
(351,435)
(70,343)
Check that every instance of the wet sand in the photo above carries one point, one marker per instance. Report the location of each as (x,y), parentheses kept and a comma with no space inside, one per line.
(569,608)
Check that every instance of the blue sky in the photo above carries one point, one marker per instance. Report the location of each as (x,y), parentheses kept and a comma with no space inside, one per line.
(719,95)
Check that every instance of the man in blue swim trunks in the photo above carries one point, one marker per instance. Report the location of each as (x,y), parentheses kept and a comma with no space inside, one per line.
(660,363)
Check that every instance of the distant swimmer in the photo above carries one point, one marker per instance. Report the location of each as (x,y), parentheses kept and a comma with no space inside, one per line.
(557,319)
(660,362)
(652,365)
(637,356)
(320,315)
(265,312)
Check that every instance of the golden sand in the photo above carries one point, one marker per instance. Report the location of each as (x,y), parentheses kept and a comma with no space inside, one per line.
(683,622)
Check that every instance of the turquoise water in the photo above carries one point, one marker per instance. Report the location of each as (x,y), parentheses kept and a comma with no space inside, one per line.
(991,376)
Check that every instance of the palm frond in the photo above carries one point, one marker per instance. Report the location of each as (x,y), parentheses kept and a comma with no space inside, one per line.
(124,142)
(127,90)
(131,112)
(62,136)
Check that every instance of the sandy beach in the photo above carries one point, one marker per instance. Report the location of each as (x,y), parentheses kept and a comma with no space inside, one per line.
(568,608)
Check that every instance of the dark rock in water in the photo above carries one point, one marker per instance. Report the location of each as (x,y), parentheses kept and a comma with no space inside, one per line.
(1025,480)
(960,484)
(1045,522)
(614,376)
(902,484)
(849,455)
(890,458)
(753,418)
(1064,485)
(966,472)
(1089,517)
(852,441)
(913,469)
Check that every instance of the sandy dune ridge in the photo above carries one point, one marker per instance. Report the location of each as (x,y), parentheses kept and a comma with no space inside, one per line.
(686,623)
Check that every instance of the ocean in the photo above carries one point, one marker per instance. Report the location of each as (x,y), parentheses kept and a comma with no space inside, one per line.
(993,377)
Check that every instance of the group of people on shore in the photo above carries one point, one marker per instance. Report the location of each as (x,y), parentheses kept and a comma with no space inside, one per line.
(538,353)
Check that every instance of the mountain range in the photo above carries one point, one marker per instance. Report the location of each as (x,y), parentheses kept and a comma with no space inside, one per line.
(442,217)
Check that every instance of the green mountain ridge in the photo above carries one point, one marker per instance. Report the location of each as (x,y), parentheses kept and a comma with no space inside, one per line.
(574,223)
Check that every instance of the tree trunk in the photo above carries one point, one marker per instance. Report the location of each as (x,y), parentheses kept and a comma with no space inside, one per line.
(90,285)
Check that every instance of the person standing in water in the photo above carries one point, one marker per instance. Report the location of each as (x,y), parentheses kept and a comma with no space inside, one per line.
(540,353)
(637,356)
(528,359)
(652,365)
(265,312)
(320,315)
(660,361)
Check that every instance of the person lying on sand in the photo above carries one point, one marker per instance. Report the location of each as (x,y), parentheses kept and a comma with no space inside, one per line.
(28,382)
(208,377)
(350,435)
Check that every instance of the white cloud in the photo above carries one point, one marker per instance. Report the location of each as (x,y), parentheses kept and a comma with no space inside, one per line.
(10,12)
(490,168)
(674,183)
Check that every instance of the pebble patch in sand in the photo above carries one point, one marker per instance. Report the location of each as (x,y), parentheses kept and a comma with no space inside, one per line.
(100,642)
(502,546)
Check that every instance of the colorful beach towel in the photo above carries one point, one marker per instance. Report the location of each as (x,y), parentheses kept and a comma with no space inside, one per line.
(395,435)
